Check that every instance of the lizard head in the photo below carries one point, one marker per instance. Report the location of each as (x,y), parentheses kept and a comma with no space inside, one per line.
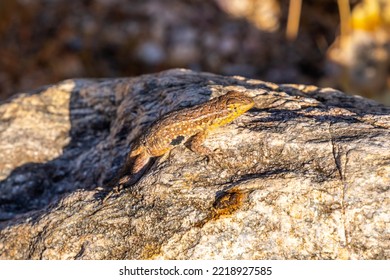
(237,102)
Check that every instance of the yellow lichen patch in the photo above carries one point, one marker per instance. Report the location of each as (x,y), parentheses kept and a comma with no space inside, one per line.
(227,203)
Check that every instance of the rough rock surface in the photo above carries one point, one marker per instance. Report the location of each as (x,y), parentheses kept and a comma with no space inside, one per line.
(303,175)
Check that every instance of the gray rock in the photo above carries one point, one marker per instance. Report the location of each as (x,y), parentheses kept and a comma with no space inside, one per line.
(304,175)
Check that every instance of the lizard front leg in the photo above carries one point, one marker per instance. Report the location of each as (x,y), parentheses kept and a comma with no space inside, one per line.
(195,144)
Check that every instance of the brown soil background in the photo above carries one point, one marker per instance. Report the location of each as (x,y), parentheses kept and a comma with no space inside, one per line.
(43,42)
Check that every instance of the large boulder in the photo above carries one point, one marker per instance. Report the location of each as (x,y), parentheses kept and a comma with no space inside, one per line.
(303,175)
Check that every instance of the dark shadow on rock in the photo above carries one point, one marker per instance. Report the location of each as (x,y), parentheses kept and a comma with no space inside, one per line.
(277,115)
(33,186)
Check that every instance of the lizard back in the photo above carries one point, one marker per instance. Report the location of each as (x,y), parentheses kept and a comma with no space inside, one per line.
(178,126)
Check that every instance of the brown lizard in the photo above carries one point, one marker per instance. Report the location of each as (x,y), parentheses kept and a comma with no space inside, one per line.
(189,125)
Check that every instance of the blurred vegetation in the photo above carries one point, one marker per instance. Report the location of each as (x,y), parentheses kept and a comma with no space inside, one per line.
(337,43)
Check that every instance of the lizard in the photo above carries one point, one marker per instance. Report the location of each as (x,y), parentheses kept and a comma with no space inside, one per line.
(186,126)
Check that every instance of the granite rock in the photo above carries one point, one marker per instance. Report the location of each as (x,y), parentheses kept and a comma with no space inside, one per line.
(303,175)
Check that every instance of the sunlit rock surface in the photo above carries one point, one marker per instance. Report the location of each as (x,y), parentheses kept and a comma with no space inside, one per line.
(303,175)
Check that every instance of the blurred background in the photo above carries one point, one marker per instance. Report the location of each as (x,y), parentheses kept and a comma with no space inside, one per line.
(344,44)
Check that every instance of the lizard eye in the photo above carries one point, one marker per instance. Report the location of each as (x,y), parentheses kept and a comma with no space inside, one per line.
(232,103)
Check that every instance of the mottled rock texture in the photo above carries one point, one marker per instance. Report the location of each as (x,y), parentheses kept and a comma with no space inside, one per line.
(303,175)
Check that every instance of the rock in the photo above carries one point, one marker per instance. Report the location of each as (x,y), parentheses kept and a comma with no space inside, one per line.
(304,175)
